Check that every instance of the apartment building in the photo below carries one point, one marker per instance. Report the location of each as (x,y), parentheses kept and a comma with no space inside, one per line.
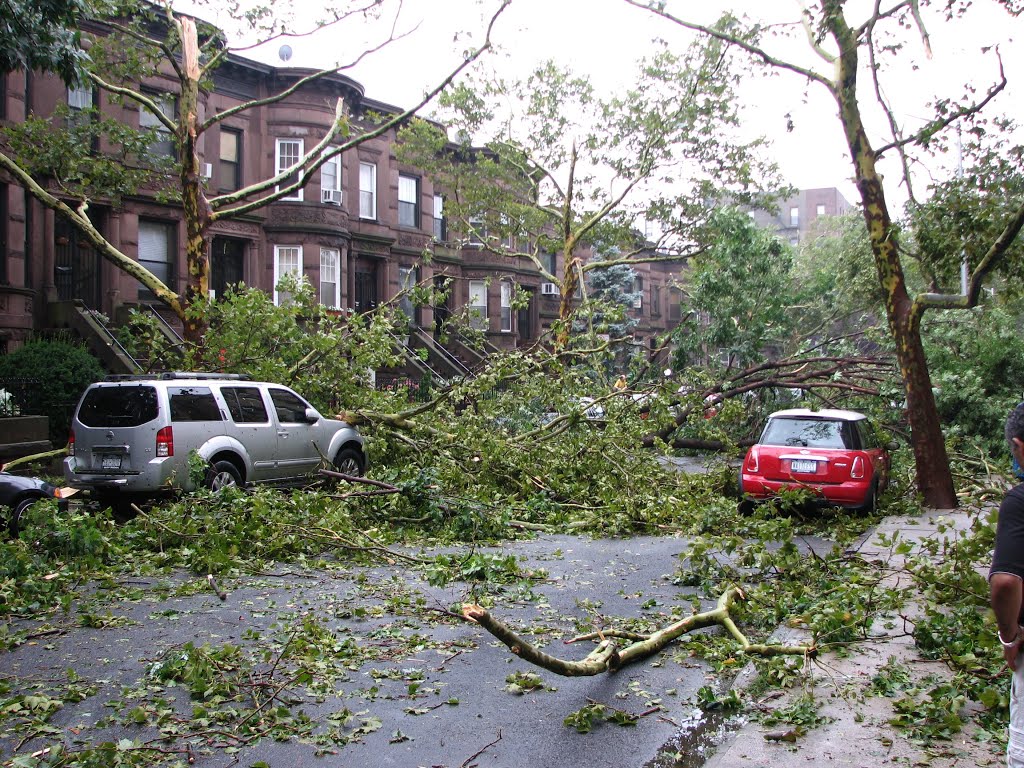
(358,231)
(797,216)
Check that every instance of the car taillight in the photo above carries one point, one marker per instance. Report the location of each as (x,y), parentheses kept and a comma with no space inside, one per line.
(165,442)
(857,470)
(71,443)
(752,460)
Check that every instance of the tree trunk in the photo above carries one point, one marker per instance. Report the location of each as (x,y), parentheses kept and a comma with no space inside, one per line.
(934,479)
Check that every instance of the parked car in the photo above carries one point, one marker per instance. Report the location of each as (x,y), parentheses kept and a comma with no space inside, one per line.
(133,435)
(830,452)
(18,493)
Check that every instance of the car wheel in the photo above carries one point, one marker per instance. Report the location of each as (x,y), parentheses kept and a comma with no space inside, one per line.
(17,510)
(221,474)
(745,507)
(349,461)
(871,500)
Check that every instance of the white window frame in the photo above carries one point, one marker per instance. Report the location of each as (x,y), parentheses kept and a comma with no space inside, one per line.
(156,254)
(168,106)
(507,290)
(477,304)
(820,209)
(367,190)
(280,166)
(293,253)
(794,217)
(408,277)
(330,264)
(438,223)
(334,164)
(409,194)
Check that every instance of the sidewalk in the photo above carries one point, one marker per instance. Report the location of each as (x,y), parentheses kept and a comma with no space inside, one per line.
(860,734)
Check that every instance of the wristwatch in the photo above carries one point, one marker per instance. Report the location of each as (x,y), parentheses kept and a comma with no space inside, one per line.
(1012,642)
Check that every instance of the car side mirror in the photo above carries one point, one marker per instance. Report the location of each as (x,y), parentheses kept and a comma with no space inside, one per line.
(312,417)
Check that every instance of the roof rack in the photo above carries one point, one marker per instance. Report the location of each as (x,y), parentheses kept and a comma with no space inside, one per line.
(172,375)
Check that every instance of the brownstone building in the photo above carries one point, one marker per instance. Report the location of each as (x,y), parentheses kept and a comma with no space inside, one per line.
(357,231)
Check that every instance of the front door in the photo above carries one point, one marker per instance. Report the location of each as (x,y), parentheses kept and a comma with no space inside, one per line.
(227,259)
(442,311)
(76,272)
(366,288)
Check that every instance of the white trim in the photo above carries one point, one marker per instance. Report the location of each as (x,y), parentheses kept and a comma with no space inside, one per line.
(280,168)
(368,186)
(336,254)
(279,273)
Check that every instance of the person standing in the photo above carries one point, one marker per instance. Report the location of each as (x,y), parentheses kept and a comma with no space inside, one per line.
(1006,589)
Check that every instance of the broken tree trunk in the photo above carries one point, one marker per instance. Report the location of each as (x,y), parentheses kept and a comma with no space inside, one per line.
(606,657)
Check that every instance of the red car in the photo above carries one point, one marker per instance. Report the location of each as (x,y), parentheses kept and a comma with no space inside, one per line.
(830,452)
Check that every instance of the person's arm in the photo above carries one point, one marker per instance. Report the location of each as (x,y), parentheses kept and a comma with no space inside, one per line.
(1005,594)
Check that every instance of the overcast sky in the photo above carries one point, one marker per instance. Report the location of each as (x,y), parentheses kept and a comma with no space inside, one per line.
(604,38)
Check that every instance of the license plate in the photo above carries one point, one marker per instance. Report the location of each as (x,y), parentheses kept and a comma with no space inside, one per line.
(806,466)
(111,462)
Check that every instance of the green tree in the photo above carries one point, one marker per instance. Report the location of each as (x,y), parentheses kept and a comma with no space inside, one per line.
(852,55)
(556,165)
(43,35)
(740,297)
(141,41)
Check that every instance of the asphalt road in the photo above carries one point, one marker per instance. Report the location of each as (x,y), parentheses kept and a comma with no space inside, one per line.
(419,661)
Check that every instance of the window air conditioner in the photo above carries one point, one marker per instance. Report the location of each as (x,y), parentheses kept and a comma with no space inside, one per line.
(549,289)
(331,196)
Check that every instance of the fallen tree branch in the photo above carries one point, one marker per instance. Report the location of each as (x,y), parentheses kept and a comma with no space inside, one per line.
(607,658)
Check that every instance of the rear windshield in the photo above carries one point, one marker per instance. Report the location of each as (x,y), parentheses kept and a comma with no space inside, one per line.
(118,406)
(808,433)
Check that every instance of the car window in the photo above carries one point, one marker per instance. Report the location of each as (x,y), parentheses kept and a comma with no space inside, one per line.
(290,407)
(193,404)
(245,404)
(807,433)
(120,406)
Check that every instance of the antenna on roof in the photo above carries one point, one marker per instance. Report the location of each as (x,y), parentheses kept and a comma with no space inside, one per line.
(284,52)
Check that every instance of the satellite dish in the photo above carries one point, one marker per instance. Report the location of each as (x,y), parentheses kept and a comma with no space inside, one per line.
(284,52)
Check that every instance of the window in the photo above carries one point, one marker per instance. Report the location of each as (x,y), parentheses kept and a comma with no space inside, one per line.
(80,101)
(287,263)
(547,260)
(506,306)
(163,143)
(477,231)
(330,181)
(655,300)
(230,169)
(794,217)
(508,241)
(193,404)
(291,409)
(820,209)
(367,191)
(289,155)
(440,228)
(408,201)
(245,404)
(4,223)
(478,304)
(407,278)
(638,290)
(156,252)
(329,282)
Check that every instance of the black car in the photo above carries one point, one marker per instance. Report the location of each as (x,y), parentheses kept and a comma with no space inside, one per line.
(18,493)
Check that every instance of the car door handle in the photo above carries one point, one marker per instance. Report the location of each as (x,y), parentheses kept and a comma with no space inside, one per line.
(283,435)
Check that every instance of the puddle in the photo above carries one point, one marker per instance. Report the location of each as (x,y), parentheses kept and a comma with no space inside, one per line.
(699,735)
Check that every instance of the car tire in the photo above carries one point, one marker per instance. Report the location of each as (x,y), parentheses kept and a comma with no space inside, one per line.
(745,507)
(17,510)
(871,500)
(222,474)
(350,461)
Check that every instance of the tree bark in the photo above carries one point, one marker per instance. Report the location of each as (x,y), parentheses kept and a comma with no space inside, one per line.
(934,478)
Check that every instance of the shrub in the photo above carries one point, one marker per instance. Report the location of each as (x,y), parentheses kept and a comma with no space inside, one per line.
(59,371)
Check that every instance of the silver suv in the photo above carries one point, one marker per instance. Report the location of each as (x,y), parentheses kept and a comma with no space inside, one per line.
(134,435)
